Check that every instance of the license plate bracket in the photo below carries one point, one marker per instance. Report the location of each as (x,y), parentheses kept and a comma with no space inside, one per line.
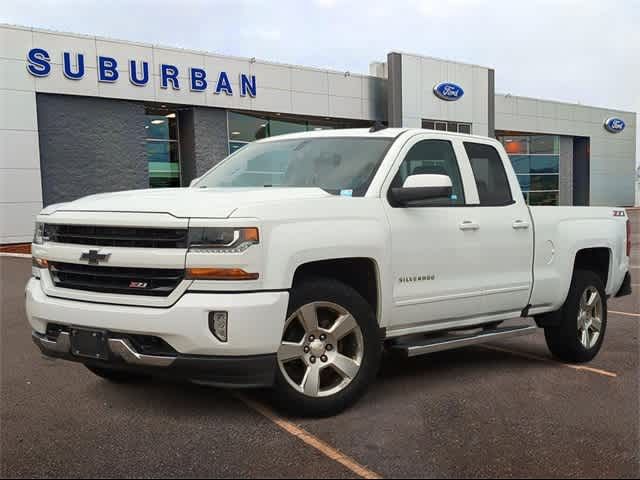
(88,343)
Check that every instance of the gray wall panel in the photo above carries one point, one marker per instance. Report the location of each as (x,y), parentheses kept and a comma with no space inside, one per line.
(394,93)
(566,171)
(210,137)
(491,109)
(90,145)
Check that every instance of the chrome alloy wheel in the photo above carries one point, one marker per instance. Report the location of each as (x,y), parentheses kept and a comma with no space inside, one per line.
(590,317)
(321,350)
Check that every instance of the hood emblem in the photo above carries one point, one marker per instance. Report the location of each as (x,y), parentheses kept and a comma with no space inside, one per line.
(94,257)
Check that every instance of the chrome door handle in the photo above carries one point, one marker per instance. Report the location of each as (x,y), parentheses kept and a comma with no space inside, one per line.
(520,224)
(469,225)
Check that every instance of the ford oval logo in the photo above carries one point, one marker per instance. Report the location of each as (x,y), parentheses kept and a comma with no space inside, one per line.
(448,91)
(614,125)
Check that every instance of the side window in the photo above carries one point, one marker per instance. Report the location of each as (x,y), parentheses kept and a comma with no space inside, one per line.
(488,170)
(432,157)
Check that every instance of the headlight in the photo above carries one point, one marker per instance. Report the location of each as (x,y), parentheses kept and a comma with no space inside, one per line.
(38,236)
(222,239)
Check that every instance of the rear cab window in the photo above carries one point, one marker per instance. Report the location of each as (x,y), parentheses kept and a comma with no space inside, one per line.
(490,175)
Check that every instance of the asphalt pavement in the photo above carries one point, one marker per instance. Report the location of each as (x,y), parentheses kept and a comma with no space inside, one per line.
(506,409)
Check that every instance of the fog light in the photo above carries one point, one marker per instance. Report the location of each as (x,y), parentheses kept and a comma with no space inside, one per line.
(218,322)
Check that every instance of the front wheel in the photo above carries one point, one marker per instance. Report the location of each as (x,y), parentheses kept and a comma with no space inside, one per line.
(579,334)
(330,350)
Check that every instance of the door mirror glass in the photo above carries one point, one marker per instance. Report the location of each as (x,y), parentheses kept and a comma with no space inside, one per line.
(422,187)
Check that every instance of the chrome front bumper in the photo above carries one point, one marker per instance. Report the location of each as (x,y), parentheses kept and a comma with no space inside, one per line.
(254,371)
(119,347)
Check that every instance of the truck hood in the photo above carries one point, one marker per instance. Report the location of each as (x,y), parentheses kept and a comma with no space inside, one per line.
(186,202)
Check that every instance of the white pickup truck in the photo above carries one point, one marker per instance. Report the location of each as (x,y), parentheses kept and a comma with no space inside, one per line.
(296,261)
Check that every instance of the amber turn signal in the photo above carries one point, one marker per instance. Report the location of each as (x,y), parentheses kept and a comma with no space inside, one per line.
(220,274)
(40,262)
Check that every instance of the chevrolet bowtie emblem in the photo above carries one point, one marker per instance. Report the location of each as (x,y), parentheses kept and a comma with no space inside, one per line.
(94,257)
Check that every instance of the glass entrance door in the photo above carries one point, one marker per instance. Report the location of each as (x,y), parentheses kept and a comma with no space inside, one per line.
(163,153)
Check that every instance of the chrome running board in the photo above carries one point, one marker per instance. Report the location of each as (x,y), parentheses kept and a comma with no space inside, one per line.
(414,346)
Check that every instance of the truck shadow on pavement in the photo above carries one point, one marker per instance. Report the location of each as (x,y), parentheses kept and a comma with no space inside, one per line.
(397,375)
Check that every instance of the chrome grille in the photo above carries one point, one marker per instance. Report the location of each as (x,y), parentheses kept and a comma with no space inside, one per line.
(101,236)
(158,282)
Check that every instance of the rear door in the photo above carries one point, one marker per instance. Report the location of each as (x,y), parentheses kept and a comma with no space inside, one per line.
(505,230)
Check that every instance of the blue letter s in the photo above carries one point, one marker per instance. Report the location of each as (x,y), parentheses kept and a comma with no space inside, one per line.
(39,65)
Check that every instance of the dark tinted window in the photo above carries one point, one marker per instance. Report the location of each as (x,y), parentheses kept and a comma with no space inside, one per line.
(491,178)
(433,157)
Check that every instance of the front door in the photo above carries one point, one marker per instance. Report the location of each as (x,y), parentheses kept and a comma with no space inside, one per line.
(435,246)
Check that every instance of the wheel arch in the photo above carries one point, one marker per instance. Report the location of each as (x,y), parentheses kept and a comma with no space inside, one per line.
(360,273)
(595,259)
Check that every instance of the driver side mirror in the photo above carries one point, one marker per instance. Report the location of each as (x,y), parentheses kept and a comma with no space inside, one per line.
(422,187)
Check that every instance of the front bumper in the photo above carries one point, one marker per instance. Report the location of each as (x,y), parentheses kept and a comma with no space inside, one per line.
(256,321)
(253,371)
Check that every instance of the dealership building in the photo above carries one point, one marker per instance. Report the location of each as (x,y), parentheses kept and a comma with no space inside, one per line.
(82,114)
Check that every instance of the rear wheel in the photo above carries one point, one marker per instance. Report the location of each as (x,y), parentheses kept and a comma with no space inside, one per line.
(330,350)
(579,332)
(116,376)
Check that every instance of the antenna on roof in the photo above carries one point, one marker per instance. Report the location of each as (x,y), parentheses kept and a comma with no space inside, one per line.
(377,127)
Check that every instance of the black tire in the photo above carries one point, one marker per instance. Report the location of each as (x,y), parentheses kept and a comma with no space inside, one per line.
(317,289)
(117,376)
(563,338)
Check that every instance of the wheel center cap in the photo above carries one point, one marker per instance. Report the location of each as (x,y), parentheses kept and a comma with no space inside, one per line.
(317,347)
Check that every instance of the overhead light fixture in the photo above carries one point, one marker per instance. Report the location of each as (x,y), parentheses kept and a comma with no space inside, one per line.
(158,122)
(170,115)
(235,133)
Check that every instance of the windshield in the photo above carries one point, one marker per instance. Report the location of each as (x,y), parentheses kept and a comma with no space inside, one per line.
(338,165)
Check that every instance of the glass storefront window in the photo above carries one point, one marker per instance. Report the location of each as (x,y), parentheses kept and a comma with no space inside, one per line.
(245,128)
(282,127)
(544,198)
(447,126)
(163,156)
(544,145)
(536,161)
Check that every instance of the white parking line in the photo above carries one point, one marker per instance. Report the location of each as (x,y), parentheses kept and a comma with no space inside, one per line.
(629,314)
(14,255)
(548,360)
(312,441)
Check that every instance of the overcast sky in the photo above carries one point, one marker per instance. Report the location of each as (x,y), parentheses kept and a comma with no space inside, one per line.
(585,51)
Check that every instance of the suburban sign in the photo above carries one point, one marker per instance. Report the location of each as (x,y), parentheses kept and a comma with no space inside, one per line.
(448,91)
(109,70)
(614,125)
